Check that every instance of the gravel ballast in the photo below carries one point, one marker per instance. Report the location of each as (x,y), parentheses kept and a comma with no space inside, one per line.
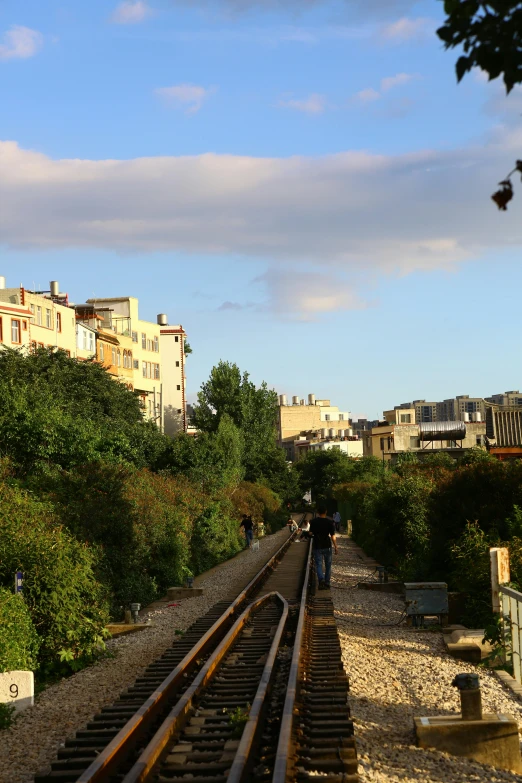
(64,708)
(397,673)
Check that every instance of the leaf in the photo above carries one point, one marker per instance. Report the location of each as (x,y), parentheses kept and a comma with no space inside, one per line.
(462,66)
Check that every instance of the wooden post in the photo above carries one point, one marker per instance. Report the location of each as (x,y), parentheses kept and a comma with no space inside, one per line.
(500,573)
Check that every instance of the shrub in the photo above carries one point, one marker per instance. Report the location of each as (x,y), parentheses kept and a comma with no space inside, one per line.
(18,638)
(66,603)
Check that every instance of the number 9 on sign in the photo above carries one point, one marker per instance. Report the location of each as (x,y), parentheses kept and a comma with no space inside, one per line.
(13,690)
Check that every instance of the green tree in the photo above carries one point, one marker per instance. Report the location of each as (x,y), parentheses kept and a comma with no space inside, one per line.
(253,410)
(321,470)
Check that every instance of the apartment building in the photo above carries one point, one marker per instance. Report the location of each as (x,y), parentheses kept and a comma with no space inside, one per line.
(510,399)
(137,354)
(172,342)
(49,321)
(302,417)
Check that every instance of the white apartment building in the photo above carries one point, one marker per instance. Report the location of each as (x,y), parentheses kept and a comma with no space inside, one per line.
(172,342)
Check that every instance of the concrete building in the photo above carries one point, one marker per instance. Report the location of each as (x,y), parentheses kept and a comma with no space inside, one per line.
(85,341)
(49,321)
(352,447)
(509,399)
(301,417)
(139,345)
(172,342)
(504,431)
(389,439)
(462,408)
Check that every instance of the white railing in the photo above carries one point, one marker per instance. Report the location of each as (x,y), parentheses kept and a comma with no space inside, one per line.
(511,607)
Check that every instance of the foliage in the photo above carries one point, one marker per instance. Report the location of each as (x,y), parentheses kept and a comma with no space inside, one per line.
(253,410)
(321,470)
(6,716)
(56,410)
(259,502)
(18,638)
(490,33)
(66,603)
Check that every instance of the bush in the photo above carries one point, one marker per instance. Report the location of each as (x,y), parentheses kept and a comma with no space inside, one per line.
(18,638)
(66,603)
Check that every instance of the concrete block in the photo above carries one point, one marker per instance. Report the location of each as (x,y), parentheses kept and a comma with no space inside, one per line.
(177,593)
(493,740)
(465,652)
(382,587)
(117,629)
(17,688)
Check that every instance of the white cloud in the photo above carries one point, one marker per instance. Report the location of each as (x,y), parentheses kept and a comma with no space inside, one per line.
(389,82)
(20,43)
(131,12)
(306,295)
(342,217)
(313,104)
(407,29)
(367,96)
(184,96)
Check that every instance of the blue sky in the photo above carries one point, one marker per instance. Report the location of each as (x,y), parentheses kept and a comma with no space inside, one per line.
(302,185)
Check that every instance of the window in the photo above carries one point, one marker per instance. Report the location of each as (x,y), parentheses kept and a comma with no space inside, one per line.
(48,318)
(156,344)
(31,308)
(327,417)
(91,342)
(24,326)
(136,364)
(479,440)
(179,410)
(39,316)
(144,369)
(16,335)
(149,370)
(405,418)
(102,352)
(118,358)
(156,372)
(113,355)
(178,387)
(144,341)
(135,337)
(149,345)
(341,417)
(177,364)
(176,339)
(85,339)
(58,322)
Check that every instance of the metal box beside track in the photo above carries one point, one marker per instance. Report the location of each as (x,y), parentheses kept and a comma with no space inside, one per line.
(426,598)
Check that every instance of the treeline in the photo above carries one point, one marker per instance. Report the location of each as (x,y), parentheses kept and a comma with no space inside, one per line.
(433,519)
(98,508)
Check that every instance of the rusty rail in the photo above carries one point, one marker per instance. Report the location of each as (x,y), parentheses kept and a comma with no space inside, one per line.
(283,753)
(119,748)
(152,754)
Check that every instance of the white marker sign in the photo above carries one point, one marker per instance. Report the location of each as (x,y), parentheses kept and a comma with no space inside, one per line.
(17,688)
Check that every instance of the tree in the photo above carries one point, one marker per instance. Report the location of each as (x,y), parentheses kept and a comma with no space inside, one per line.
(321,470)
(491,35)
(253,410)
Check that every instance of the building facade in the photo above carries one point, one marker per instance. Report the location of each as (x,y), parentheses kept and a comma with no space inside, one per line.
(172,341)
(508,399)
(308,418)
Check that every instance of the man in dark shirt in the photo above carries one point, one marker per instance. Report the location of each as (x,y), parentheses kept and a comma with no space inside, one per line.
(322,529)
(248,527)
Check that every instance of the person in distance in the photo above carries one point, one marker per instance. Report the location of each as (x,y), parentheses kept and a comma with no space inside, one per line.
(322,529)
(248,527)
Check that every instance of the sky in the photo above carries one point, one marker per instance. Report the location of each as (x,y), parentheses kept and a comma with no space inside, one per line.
(301,184)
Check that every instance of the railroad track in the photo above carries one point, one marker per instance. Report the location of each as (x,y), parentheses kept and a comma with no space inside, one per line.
(259,674)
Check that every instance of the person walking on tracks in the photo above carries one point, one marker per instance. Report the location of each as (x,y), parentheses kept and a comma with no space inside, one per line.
(337,519)
(248,527)
(322,529)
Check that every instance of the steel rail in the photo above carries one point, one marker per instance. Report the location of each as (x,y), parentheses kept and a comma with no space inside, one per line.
(284,745)
(122,744)
(150,756)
